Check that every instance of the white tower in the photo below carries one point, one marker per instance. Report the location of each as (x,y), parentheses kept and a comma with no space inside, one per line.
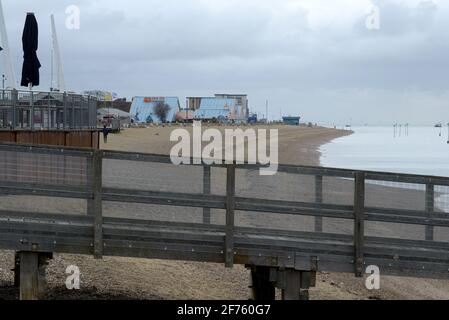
(10,81)
(57,59)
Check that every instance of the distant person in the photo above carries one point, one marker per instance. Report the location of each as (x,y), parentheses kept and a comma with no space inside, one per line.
(105,134)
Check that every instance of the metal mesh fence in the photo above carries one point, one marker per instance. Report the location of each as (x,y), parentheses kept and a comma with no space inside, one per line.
(310,195)
(42,171)
(395,195)
(282,186)
(394,230)
(338,191)
(163,213)
(274,221)
(149,176)
(46,110)
(442,199)
(47,169)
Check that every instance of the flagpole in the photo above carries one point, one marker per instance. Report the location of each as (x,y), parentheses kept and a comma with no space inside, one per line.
(9,70)
(57,57)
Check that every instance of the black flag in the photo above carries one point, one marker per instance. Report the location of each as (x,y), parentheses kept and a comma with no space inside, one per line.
(31,64)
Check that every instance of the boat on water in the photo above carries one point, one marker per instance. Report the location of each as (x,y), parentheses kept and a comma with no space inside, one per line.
(438,125)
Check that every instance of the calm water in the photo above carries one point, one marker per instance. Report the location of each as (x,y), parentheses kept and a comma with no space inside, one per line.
(422,151)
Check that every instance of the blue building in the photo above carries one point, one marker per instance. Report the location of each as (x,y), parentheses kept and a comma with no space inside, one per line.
(142,109)
(291,121)
(219,109)
(223,108)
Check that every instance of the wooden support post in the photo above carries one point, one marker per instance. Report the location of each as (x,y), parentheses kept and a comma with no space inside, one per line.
(359,223)
(319,200)
(29,276)
(261,286)
(430,206)
(307,281)
(42,268)
(16,269)
(206,191)
(30,270)
(96,205)
(292,285)
(230,208)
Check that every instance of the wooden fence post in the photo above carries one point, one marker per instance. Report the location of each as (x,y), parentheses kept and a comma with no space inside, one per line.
(96,205)
(319,200)
(230,208)
(430,203)
(206,191)
(359,223)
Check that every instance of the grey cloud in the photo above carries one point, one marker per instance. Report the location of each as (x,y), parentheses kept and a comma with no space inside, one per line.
(398,19)
(265,48)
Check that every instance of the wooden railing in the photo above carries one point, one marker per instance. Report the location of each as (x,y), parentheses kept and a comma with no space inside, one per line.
(314,250)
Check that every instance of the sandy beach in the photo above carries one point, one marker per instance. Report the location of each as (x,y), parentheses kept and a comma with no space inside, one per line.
(124,278)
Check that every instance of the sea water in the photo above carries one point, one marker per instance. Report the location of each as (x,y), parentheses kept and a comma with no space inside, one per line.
(416,150)
(422,151)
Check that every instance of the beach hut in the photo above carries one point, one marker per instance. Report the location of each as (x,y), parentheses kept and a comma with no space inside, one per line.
(291,121)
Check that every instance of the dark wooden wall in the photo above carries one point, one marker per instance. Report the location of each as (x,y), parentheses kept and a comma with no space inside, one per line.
(81,139)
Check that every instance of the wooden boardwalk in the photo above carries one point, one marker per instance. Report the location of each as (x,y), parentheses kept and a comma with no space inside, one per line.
(364,204)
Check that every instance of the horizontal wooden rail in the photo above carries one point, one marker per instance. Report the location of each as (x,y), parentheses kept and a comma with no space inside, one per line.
(437,219)
(294,169)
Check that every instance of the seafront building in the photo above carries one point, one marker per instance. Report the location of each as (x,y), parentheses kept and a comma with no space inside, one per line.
(292,121)
(143,109)
(221,108)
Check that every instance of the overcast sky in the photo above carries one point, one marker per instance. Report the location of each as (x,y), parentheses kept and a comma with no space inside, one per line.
(313,58)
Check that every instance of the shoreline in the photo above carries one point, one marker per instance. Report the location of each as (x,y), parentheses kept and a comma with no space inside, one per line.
(297,145)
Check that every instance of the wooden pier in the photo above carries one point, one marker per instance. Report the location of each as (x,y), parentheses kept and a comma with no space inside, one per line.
(277,257)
